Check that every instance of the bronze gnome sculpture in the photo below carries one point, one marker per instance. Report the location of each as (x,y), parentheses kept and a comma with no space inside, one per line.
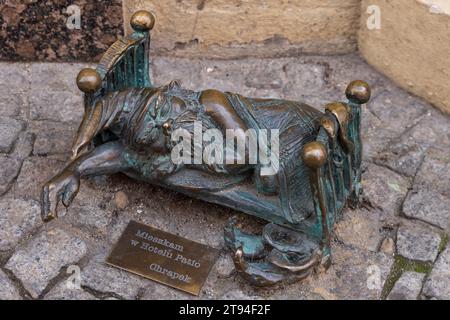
(129,126)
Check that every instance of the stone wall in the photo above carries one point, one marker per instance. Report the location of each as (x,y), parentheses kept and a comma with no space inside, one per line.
(412,46)
(235,28)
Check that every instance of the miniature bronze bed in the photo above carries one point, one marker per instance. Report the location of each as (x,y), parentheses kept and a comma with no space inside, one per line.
(127,127)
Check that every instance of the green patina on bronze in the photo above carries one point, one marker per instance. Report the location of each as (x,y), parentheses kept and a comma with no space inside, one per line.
(127,127)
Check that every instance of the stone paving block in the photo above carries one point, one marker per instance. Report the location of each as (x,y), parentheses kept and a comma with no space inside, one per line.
(10,103)
(209,74)
(345,69)
(15,76)
(156,291)
(56,105)
(54,95)
(360,228)
(407,287)
(320,101)
(53,137)
(269,78)
(42,258)
(35,172)
(428,206)
(24,145)
(307,81)
(7,289)
(305,77)
(206,230)
(116,229)
(17,218)
(375,138)
(217,283)
(90,210)
(397,110)
(438,282)
(9,131)
(431,130)
(239,295)
(417,242)
(9,170)
(64,292)
(404,159)
(106,279)
(293,79)
(54,77)
(354,274)
(384,188)
(434,174)
(407,154)
(303,292)
(387,116)
(91,219)
(14,86)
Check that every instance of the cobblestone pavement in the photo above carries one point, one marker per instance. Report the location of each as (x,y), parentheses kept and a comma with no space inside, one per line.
(394,247)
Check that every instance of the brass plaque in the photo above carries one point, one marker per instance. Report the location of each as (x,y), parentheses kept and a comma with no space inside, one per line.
(163,257)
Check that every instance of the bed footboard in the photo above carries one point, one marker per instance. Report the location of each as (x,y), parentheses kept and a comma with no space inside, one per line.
(335,160)
(124,65)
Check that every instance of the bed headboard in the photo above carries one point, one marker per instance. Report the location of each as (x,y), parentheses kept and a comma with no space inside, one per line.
(124,65)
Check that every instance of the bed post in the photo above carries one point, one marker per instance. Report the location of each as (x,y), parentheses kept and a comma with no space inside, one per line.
(126,63)
(142,22)
(358,92)
(315,157)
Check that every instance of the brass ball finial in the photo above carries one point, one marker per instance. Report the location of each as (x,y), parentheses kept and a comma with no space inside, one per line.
(358,91)
(142,20)
(88,80)
(314,155)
